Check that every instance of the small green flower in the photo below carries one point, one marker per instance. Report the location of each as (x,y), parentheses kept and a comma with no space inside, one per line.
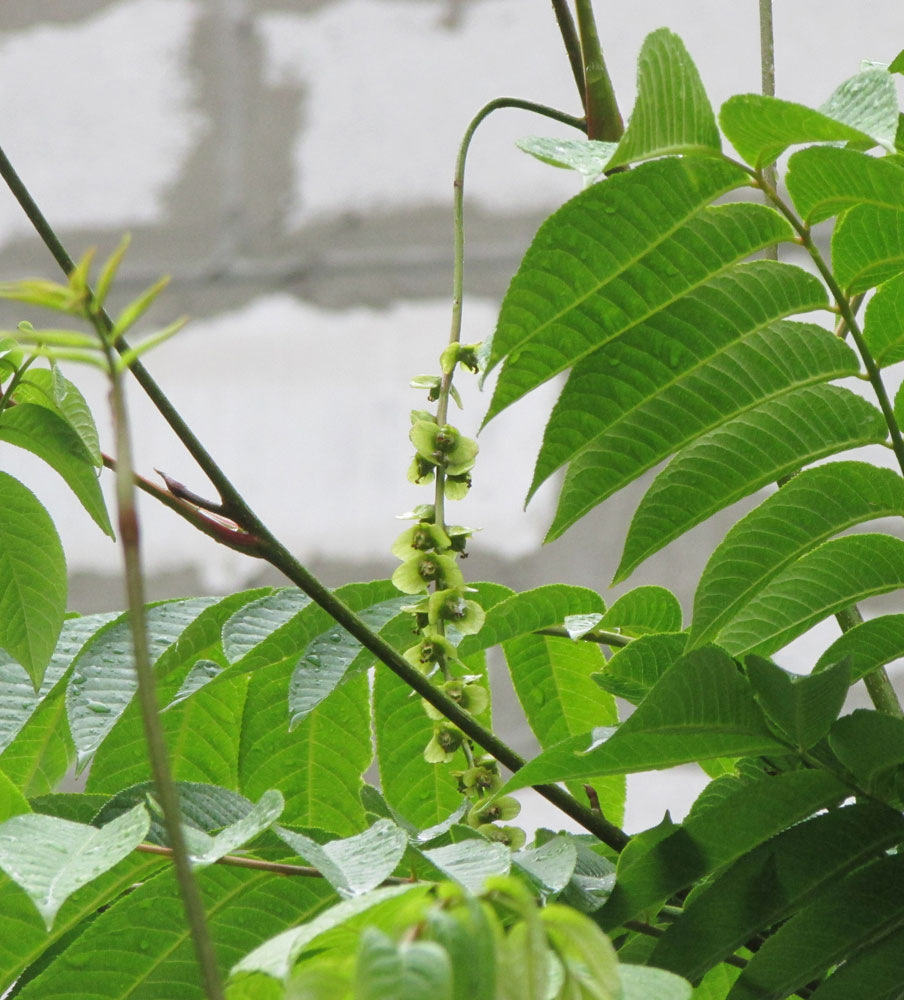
(422,512)
(472,698)
(421,471)
(450,606)
(494,810)
(512,836)
(432,651)
(479,781)
(446,740)
(456,487)
(421,537)
(424,568)
(443,446)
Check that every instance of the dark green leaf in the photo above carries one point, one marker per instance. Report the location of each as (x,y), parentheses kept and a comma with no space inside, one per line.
(33,570)
(526,612)
(883,330)
(702,707)
(811,508)
(867,247)
(878,970)
(838,573)
(672,113)
(867,646)
(633,670)
(847,917)
(642,611)
(586,276)
(662,382)
(825,181)
(869,744)
(774,880)
(742,456)
(717,836)
(803,708)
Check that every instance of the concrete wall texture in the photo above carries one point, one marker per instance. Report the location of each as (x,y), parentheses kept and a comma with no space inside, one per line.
(289,163)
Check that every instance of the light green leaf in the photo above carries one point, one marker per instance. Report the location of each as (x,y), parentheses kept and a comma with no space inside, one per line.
(632,671)
(277,956)
(12,801)
(644,610)
(588,156)
(552,679)
(869,744)
(802,707)
(835,575)
(792,866)
(586,276)
(825,181)
(715,837)
(465,932)
(642,982)
(103,678)
(867,247)
(356,864)
(328,659)
(470,862)
(205,850)
(672,113)
(51,858)
(687,369)
(883,330)
(526,612)
(53,390)
(867,646)
(418,970)
(868,102)
(577,626)
(33,571)
(43,433)
(846,917)
(811,508)
(254,623)
(702,707)
(761,128)
(551,866)
(742,456)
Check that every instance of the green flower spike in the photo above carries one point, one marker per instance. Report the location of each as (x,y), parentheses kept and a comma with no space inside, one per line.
(421,537)
(424,568)
(446,740)
(450,606)
(472,698)
(494,810)
(512,836)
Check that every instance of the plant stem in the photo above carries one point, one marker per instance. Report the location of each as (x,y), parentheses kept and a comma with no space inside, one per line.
(604,120)
(767,77)
(878,683)
(572,44)
(614,639)
(129,536)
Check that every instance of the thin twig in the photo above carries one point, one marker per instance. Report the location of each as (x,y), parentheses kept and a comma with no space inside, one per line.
(572,45)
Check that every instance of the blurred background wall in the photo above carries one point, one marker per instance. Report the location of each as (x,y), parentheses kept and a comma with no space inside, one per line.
(289,163)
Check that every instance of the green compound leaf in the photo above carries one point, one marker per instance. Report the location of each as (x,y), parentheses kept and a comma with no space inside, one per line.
(742,456)
(672,113)
(552,679)
(33,570)
(51,858)
(867,646)
(825,181)
(588,156)
(54,391)
(419,970)
(633,670)
(847,917)
(803,708)
(587,275)
(811,508)
(774,880)
(644,610)
(868,247)
(883,330)
(838,573)
(675,365)
(356,864)
(522,613)
(702,707)
(869,744)
(717,836)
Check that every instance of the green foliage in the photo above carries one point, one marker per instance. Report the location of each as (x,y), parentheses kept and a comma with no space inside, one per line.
(785,878)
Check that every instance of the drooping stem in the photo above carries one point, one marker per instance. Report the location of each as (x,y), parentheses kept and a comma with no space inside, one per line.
(129,536)
(604,120)
(572,44)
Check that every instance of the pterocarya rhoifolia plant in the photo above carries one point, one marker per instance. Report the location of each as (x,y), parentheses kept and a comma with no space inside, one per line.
(226,843)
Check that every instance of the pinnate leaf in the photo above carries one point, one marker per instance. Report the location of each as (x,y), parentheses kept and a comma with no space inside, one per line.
(644,610)
(632,671)
(866,646)
(883,330)
(204,849)
(672,113)
(868,247)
